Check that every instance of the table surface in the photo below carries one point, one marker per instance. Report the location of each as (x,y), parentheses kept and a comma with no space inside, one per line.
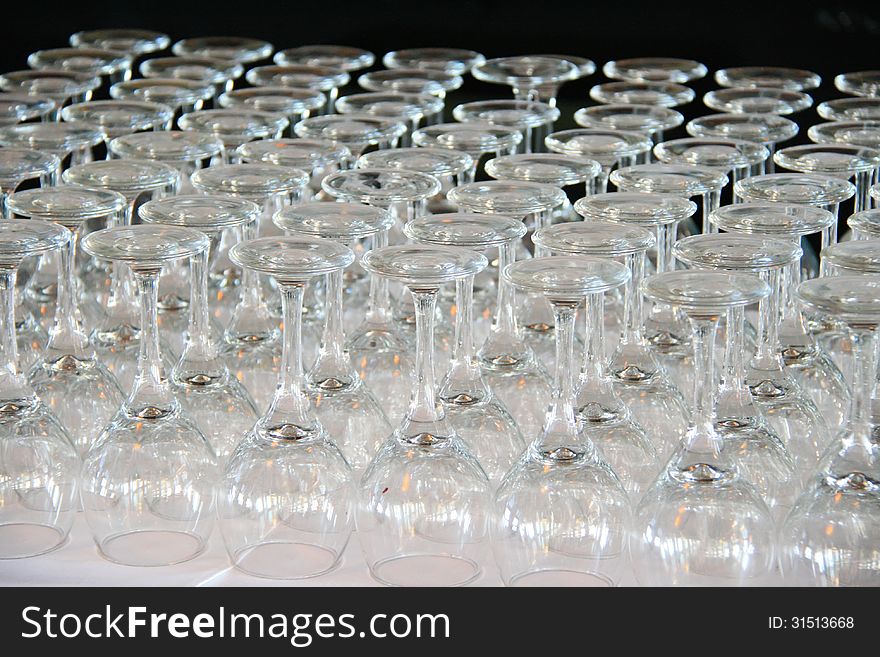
(77,563)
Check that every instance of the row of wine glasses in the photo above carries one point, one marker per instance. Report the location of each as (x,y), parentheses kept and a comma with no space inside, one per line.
(302,315)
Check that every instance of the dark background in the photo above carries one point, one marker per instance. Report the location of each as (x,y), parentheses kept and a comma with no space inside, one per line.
(829,37)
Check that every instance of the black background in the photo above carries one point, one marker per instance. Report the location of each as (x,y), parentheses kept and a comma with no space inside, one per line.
(829,37)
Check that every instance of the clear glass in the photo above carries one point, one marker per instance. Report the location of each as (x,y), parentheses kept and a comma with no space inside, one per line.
(423,511)
(702,523)
(286,497)
(831,536)
(39,466)
(561,515)
(148,480)
(70,376)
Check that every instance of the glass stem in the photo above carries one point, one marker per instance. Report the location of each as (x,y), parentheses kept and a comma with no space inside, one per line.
(333,366)
(559,438)
(13,384)
(632,296)
(863,185)
(289,415)
(703,438)
(711,201)
(505,317)
(200,357)
(463,383)
(151,395)
(864,360)
(767,356)
(423,403)
(379,307)
(67,336)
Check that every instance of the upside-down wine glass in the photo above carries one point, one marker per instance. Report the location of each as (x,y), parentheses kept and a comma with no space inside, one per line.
(561,515)
(344,402)
(479,418)
(201,381)
(286,497)
(702,523)
(69,376)
(424,500)
(599,410)
(830,537)
(148,480)
(39,466)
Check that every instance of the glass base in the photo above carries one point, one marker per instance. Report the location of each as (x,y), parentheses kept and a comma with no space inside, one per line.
(286,560)
(560,578)
(425,570)
(151,547)
(19,540)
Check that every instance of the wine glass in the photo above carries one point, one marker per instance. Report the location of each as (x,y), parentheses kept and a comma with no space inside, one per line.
(508,356)
(39,465)
(326,79)
(72,143)
(56,84)
(129,40)
(479,418)
(286,496)
(405,195)
(662,94)
(841,160)
(530,77)
(148,479)
(18,107)
(475,139)
(455,61)
(120,117)
(599,409)
(738,159)
(859,83)
(186,151)
(645,386)
(757,100)
(850,109)
(557,169)
(780,77)
(317,157)
(220,73)
(609,148)
(815,361)
(561,515)
(357,132)
(344,402)
(830,536)
(200,380)
(345,58)
(411,109)
(751,443)
(69,376)
(410,81)
(244,50)
(655,69)
(647,119)
(181,95)
(113,65)
(424,502)
(252,335)
(702,522)
(234,127)
(116,332)
(532,118)
(449,166)
(292,103)
(765,129)
(20,164)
